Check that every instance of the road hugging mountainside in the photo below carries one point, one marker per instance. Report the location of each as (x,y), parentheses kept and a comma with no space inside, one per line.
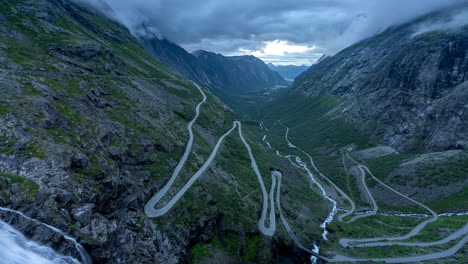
(92,125)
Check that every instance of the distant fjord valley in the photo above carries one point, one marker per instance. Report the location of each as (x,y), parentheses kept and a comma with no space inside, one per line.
(118,145)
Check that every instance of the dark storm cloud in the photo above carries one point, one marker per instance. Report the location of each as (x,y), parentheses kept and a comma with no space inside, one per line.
(226,26)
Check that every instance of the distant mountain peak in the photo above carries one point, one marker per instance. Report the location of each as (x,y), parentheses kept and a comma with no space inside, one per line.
(221,73)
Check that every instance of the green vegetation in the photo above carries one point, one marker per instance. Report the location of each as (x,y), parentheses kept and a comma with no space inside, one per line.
(29,90)
(237,247)
(198,252)
(67,111)
(441,228)
(456,201)
(377,226)
(442,173)
(312,126)
(35,149)
(382,167)
(28,186)
(4,110)
(162,168)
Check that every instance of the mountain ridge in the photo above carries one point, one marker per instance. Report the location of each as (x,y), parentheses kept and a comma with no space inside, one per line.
(231,74)
(397,92)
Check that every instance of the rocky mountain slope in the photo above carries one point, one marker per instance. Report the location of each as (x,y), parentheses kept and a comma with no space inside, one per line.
(288,71)
(240,73)
(180,61)
(227,75)
(403,91)
(406,87)
(92,125)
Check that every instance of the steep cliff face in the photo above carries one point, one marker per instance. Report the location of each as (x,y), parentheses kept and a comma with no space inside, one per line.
(407,89)
(91,126)
(240,73)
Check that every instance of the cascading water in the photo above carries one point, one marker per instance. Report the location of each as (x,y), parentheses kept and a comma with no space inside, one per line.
(314,259)
(85,259)
(300,164)
(15,248)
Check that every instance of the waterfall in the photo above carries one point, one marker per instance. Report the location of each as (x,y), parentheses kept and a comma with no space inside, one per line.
(85,259)
(15,248)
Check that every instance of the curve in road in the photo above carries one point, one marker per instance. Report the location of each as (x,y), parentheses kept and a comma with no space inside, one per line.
(455,235)
(311,160)
(442,254)
(314,252)
(375,207)
(351,242)
(389,241)
(149,207)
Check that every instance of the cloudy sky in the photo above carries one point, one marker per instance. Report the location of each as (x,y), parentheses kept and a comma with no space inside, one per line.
(278,31)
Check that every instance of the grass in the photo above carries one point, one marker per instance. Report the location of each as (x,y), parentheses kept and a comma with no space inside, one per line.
(440,174)
(372,227)
(243,249)
(29,90)
(456,201)
(28,186)
(382,167)
(439,229)
(4,110)
(162,168)
(35,149)
(198,252)
(68,112)
(311,125)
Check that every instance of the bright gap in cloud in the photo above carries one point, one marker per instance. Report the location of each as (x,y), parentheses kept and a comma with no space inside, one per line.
(283,52)
(278,48)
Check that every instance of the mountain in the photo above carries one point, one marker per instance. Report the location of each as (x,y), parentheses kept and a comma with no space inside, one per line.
(180,61)
(405,89)
(222,74)
(288,71)
(240,73)
(92,126)
(396,102)
(386,122)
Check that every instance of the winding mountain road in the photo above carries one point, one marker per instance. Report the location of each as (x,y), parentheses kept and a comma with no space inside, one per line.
(455,235)
(382,241)
(311,160)
(349,242)
(279,176)
(150,207)
(442,254)
(151,211)
(269,201)
(375,207)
